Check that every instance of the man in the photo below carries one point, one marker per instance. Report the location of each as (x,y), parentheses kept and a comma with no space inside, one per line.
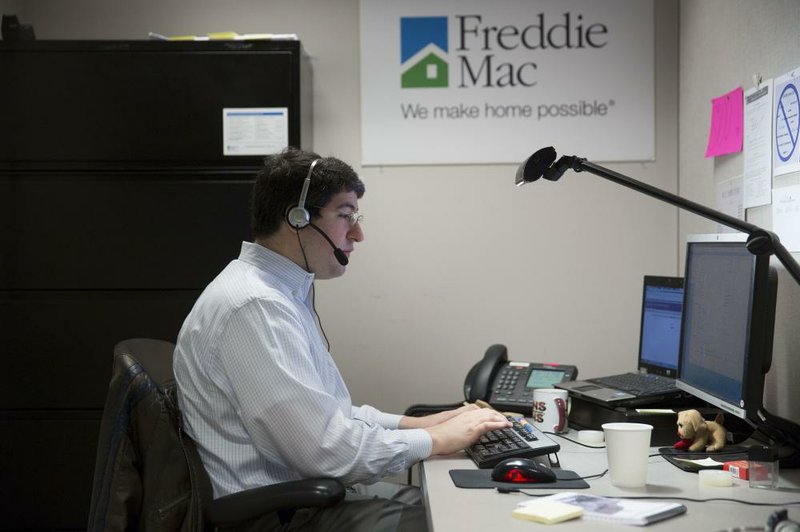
(259,391)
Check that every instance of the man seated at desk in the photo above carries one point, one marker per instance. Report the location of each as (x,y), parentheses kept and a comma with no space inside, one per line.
(259,391)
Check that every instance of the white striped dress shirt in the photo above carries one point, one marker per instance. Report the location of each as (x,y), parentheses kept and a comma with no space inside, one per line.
(261,395)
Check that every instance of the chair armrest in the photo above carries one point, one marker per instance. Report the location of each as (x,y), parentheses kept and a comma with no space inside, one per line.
(420,410)
(248,504)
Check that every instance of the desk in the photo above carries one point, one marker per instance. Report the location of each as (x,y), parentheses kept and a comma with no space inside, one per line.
(456,509)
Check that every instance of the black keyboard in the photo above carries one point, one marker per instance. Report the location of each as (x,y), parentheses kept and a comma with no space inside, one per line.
(639,382)
(521,440)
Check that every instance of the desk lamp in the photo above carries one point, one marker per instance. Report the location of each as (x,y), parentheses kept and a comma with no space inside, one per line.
(760,242)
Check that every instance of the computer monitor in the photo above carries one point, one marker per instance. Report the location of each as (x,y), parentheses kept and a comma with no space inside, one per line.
(728,323)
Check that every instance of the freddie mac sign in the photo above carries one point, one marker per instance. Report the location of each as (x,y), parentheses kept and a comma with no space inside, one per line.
(462,82)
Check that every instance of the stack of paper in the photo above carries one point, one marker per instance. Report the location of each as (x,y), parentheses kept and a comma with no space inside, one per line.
(225,36)
(625,511)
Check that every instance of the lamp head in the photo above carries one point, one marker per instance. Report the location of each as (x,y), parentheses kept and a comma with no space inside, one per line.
(541,164)
(535,166)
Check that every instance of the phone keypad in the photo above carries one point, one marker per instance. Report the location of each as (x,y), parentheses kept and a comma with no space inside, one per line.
(505,390)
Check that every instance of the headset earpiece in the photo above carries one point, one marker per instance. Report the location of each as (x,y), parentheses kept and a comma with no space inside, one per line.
(298,216)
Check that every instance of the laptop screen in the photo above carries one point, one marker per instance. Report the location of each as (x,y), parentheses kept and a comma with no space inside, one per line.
(661,325)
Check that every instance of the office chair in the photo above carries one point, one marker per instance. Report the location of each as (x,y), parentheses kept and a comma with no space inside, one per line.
(148,474)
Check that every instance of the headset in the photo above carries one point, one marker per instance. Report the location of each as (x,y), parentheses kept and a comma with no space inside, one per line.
(299,217)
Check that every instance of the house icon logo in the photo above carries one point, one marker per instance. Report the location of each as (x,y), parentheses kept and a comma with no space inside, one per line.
(423,52)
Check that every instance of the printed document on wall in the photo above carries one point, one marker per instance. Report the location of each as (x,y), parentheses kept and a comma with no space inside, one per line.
(786,216)
(729,201)
(786,110)
(758,145)
(470,81)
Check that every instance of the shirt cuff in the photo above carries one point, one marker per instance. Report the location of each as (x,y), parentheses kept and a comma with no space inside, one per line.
(420,444)
(388,421)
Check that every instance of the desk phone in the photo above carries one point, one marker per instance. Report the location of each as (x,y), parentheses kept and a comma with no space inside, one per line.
(509,385)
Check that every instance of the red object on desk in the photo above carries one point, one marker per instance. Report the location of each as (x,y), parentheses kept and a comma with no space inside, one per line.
(738,468)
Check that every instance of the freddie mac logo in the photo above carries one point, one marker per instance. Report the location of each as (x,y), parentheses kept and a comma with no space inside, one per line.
(487,53)
(423,52)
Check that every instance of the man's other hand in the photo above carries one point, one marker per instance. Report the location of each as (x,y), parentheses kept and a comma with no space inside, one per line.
(464,428)
(424,422)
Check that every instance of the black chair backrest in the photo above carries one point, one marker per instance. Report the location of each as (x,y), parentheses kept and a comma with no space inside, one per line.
(148,474)
(145,476)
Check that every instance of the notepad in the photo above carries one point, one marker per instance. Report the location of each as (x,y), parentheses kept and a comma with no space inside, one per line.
(547,512)
(614,510)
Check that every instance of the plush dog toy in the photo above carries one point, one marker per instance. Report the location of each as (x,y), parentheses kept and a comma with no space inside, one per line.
(697,434)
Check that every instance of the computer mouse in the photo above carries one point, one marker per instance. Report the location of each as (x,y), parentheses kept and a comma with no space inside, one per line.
(522,470)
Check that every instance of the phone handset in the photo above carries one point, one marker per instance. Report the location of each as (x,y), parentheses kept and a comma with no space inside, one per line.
(480,377)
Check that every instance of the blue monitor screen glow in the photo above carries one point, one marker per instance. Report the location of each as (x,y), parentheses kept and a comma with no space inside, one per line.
(660,336)
(728,321)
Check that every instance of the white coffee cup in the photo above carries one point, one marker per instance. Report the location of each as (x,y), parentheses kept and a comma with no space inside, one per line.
(628,449)
(550,409)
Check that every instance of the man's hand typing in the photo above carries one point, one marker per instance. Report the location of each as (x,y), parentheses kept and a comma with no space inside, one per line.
(464,429)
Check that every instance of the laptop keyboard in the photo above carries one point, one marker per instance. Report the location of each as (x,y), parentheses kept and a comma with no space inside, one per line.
(639,382)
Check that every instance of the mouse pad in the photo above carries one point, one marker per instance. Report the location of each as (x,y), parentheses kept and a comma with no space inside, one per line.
(482,478)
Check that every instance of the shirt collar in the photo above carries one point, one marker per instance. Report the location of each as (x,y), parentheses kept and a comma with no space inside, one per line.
(293,276)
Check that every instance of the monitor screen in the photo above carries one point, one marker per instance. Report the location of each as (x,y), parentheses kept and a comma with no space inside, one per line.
(660,335)
(728,322)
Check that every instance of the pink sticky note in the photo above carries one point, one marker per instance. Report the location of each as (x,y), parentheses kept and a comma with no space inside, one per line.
(727,124)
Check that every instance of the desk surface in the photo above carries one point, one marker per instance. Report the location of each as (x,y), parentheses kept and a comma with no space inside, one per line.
(458,509)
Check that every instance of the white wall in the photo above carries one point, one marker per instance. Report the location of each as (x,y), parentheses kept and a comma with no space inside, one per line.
(456,258)
(723,44)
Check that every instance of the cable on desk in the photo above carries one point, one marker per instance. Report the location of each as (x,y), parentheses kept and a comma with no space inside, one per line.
(598,475)
(576,442)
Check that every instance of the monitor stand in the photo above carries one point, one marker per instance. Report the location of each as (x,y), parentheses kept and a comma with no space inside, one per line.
(784,435)
(663,417)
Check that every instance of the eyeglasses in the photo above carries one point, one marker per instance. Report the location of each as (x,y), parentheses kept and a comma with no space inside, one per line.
(352,218)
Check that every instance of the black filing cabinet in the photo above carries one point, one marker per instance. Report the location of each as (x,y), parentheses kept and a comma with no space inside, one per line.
(118,204)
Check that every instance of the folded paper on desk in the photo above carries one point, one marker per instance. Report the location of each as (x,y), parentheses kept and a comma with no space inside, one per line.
(694,462)
(624,511)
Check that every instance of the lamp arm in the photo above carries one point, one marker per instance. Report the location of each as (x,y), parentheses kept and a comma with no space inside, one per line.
(759,242)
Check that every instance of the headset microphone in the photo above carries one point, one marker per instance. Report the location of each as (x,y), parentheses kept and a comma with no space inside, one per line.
(338,253)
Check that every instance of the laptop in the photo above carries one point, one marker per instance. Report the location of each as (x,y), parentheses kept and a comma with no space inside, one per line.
(659,344)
